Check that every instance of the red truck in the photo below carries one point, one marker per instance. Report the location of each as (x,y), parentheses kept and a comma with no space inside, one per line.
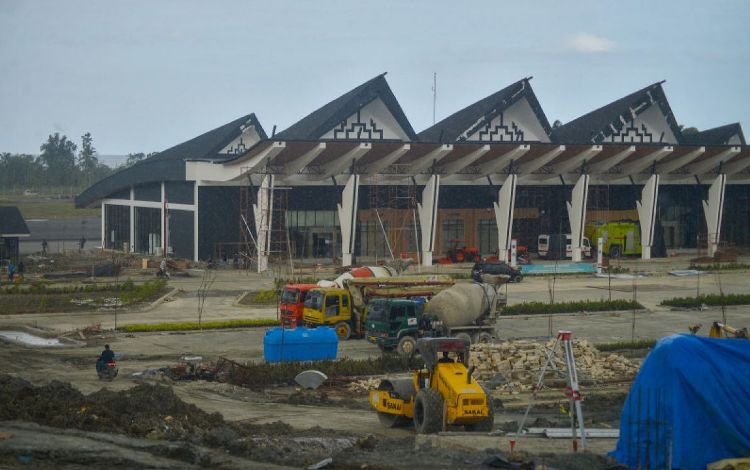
(292,303)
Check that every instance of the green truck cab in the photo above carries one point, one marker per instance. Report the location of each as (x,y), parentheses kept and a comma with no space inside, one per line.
(394,324)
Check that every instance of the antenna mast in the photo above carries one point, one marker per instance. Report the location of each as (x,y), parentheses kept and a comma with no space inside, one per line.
(434,96)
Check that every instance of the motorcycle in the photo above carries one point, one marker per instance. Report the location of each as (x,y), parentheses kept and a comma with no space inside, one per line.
(106,371)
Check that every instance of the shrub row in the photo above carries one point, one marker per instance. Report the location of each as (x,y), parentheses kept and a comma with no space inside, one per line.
(44,289)
(707,299)
(261,375)
(137,293)
(720,266)
(626,345)
(534,308)
(206,325)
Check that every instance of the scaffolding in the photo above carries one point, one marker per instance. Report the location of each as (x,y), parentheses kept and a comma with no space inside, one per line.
(394,208)
(269,239)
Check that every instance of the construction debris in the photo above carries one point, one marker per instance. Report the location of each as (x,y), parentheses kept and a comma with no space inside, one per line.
(364,385)
(520,363)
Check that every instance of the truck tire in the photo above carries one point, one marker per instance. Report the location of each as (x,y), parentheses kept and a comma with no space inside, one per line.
(615,251)
(517,278)
(463,335)
(343,330)
(407,346)
(483,337)
(428,411)
(487,424)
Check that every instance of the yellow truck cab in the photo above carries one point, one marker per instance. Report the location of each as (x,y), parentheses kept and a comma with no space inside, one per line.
(329,307)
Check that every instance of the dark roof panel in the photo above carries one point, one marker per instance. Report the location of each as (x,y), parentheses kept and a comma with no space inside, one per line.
(716,136)
(594,127)
(169,164)
(316,124)
(450,129)
(11,222)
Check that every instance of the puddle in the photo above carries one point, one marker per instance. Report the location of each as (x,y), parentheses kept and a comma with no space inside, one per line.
(28,339)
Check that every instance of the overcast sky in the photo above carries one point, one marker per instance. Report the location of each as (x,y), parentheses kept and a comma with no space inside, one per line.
(142,76)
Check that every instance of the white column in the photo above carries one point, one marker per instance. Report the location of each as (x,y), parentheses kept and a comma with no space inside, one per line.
(263,212)
(577,215)
(504,215)
(647,214)
(195,221)
(104,231)
(132,220)
(348,218)
(713,209)
(427,211)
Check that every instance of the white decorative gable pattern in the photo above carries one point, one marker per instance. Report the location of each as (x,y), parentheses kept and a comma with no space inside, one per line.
(372,122)
(243,142)
(646,126)
(517,123)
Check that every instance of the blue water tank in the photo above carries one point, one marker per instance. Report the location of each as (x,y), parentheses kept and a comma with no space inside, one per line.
(300,344)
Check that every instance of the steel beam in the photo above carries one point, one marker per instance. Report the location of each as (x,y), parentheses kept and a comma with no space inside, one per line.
(433,156)
(611,162)
(712,162)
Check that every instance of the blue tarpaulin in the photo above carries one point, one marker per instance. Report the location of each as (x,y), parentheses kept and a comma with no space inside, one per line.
(689,403)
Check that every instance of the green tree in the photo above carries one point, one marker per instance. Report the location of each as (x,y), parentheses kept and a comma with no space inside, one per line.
(87,160)
(59,159)
(134,158)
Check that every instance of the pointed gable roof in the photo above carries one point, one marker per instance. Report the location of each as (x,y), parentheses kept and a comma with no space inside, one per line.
(596,126)
(208,144)
(169,164)
(454,126)
(717,136)
(316,124)
(12,223)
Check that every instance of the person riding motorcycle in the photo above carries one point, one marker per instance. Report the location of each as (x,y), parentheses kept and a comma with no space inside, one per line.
(106,356)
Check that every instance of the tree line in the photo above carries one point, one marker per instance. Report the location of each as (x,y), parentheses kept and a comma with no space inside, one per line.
(61,166)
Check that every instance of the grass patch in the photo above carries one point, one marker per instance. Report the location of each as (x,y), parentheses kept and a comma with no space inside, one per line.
(720,267)
(40,298)
(262,375)
(707,299)
(267,296)
(53,209)
(206,325)
(539,308)
(626,345)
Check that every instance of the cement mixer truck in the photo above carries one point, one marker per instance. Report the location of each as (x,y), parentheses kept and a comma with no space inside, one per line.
(345,308)
(467,311)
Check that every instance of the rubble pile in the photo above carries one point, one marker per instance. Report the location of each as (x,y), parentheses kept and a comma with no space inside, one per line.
(364,385)
(520,363)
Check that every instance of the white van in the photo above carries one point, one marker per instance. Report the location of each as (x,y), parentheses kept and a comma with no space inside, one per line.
(543,246)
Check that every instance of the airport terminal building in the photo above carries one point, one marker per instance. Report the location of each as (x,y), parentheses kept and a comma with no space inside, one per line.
(354,181)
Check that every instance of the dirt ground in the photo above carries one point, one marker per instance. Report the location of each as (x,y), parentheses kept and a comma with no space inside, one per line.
(56,413)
